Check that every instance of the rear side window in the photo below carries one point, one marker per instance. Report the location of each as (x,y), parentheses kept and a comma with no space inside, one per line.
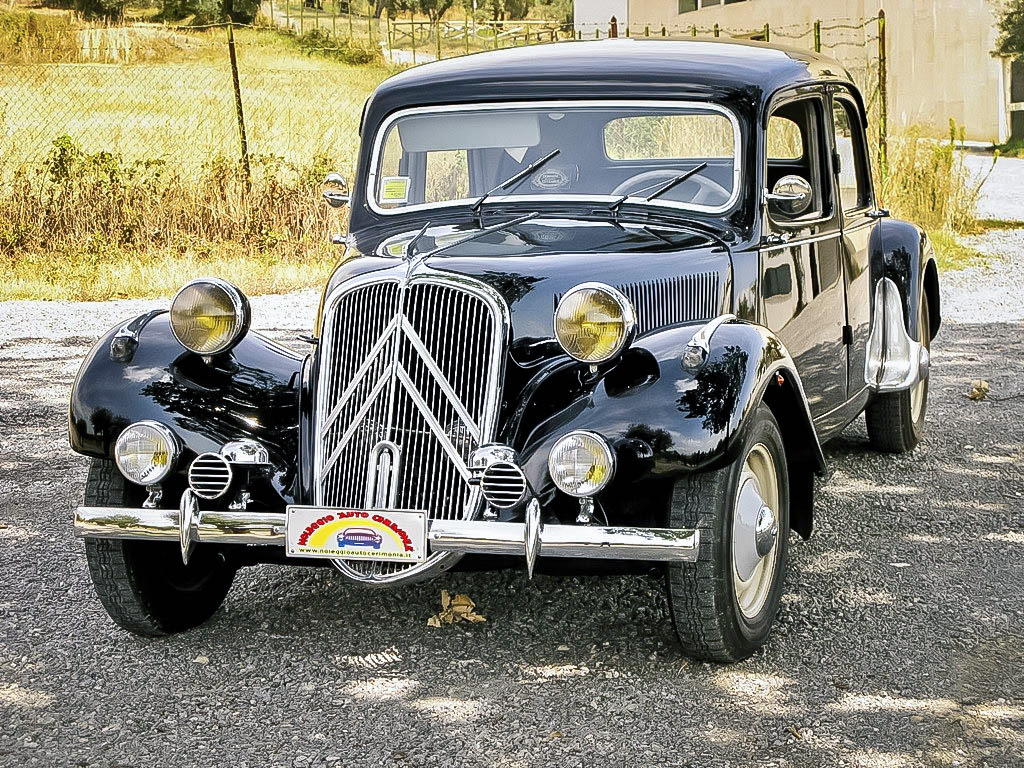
(853,172)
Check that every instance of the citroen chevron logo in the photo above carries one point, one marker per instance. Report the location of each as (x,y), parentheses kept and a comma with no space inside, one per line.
(386,348)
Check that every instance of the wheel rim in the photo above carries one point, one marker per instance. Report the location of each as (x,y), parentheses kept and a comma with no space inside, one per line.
(752,593)
(919,391)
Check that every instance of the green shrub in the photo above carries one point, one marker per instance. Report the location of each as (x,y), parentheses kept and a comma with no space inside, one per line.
(319,42)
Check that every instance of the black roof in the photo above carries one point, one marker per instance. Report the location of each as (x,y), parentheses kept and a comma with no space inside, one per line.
(608,68)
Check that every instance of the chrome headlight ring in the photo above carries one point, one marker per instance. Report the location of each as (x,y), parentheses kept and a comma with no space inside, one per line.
(208,288)
(626,317)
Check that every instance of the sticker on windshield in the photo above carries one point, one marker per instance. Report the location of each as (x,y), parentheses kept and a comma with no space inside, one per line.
(394,189)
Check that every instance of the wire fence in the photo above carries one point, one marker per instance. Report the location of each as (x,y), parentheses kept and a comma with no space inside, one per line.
(155,97)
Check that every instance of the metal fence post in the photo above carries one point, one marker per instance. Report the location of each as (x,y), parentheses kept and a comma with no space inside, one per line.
(664,32)
(412,35)
(717,31)
(693,30)
(334,20)
(767,33)
(437,37)
(391,36)
(883,97)
(613,27)
(243,144)
(288,15)
(817,36)
(348,8)
(465,31)
(647,30)
(302,16)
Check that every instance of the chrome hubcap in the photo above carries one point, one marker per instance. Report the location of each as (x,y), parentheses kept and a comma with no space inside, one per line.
(755,531)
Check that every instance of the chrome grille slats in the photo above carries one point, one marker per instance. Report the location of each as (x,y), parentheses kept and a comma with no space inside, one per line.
(503,484)
(437,344)
(210,476)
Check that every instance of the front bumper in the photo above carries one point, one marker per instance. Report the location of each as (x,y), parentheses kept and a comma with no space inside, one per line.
(530,539)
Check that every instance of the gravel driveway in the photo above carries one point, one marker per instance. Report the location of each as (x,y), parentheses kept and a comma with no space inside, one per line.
(899,643)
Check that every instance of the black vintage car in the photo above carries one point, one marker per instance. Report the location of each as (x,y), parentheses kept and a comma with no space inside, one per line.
(598,300)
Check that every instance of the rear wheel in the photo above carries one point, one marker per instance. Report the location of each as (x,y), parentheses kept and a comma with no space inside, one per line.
(723,606)
(895,420)
(144,585)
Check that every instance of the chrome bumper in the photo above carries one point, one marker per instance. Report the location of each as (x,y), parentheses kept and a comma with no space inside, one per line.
(190,526)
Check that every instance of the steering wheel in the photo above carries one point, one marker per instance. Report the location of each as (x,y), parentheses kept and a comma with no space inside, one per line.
(709,188)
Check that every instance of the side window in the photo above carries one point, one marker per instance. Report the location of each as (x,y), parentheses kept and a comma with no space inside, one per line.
(793,144)
(853,172)
(784,139)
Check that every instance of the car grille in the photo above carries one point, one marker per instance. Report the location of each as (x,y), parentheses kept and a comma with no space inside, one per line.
(408,385)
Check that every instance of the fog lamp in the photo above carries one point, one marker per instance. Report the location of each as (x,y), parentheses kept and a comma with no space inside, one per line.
(209,316)
(581,463)
(593,322)
(146,452)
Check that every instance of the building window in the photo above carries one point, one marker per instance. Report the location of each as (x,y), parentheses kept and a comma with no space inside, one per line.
(685,6)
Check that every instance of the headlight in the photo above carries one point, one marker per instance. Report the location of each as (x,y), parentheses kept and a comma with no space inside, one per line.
(593,322)
(209,316)
(146,451)
(581,463)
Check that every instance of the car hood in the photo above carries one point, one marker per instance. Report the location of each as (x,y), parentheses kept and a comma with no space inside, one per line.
(672,274)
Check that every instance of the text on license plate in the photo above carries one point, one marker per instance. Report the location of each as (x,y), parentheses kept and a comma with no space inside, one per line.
(356,534)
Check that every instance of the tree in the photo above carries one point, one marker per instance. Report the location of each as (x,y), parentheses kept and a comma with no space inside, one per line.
(433,9)
(1011,30)
(100,9)
(210,11)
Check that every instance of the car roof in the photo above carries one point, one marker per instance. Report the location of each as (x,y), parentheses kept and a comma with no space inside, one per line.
(623,67)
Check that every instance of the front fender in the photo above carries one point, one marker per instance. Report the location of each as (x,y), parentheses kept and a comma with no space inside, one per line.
(676,420)
(251,392)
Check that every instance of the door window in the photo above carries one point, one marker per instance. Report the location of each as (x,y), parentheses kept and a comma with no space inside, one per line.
(853,172)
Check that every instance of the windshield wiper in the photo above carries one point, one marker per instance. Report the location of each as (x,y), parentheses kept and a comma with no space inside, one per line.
(673,182)
(473,236)
(512,181)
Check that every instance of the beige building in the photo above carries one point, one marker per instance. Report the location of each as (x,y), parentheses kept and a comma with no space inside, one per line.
(939,60)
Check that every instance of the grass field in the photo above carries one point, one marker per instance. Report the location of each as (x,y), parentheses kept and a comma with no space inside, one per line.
(119,172)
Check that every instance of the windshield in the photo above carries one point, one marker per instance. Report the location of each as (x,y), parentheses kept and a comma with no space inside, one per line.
(456,155)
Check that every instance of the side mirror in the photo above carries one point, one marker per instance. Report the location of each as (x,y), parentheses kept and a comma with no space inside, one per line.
(337,196)
(791,196)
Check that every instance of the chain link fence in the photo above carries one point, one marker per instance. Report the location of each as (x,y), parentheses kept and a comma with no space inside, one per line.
(160,95)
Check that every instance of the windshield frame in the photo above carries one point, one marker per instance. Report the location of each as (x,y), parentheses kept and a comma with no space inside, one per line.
(373,175)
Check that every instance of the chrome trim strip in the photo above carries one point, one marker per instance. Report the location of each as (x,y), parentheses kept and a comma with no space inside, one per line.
(677,545)
(370,189)
(802,241)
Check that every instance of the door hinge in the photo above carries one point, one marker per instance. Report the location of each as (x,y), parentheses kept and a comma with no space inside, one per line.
(848,335)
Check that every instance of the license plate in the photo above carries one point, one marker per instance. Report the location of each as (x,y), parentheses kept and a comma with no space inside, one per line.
(356,534)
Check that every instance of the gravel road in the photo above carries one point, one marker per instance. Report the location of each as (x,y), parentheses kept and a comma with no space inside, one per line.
(899,641)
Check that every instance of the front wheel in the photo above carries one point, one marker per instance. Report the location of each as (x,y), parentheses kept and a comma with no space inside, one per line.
(723,606)
(143,585)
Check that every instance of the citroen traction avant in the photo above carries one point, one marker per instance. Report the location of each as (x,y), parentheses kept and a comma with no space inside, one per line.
(598,300)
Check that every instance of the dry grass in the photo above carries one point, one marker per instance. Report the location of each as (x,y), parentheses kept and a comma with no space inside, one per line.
(93,226)
(929,184)
(121,179)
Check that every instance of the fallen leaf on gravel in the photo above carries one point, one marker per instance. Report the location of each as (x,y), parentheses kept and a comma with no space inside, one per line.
(3,526)
(563,648)
(459,608)
(554,735)
(200,660)
(900,565)
(979,390)
(795,732)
